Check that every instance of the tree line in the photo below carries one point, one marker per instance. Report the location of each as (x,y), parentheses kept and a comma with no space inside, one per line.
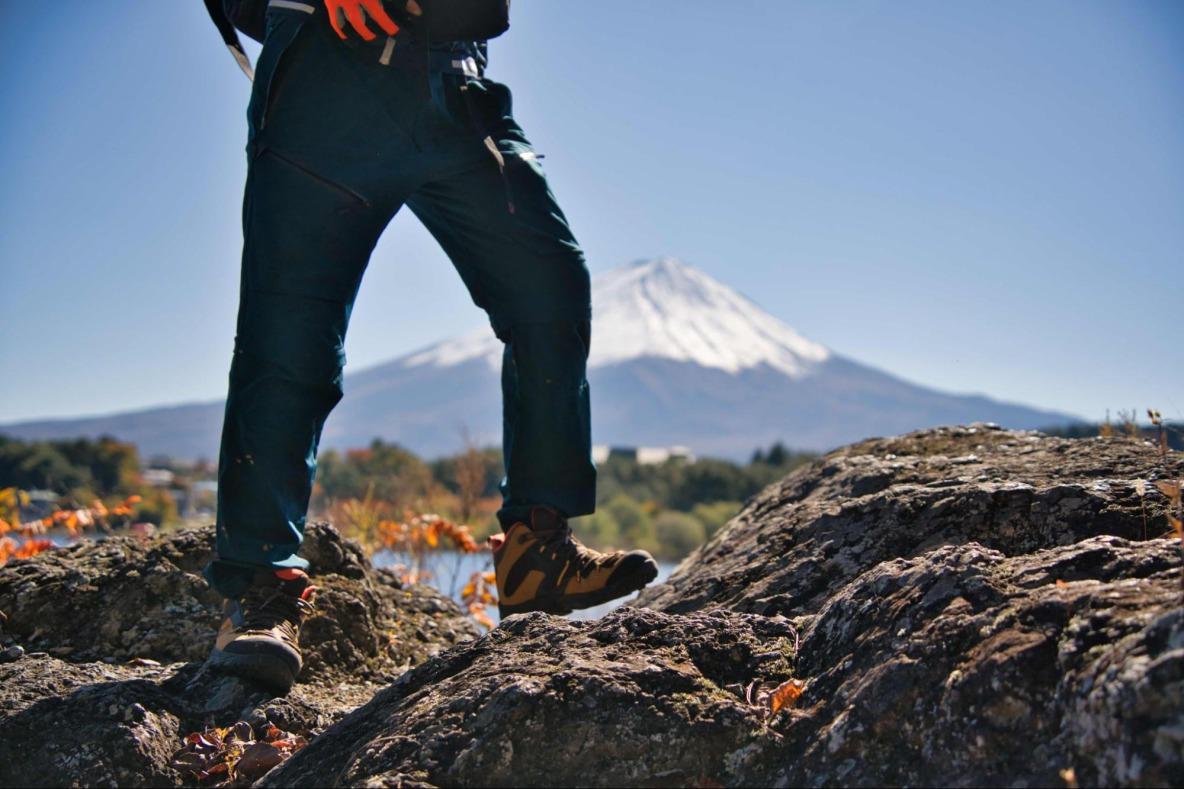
(667,508)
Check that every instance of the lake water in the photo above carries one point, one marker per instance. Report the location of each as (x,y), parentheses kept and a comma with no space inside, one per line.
(451,571)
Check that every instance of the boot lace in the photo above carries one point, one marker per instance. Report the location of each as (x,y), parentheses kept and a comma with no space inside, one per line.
(585,560)
(270,608)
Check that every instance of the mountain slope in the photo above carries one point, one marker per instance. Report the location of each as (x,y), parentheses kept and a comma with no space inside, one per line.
(665,309)
(677,358)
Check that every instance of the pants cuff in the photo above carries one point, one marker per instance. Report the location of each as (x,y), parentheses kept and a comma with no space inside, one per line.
(231,579)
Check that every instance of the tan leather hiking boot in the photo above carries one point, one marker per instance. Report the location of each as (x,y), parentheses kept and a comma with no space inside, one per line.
(541,567)
(260,636)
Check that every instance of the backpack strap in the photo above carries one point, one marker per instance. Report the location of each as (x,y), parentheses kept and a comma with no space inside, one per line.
(230,36)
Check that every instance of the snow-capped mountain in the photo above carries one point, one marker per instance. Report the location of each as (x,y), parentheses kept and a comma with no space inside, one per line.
(677,358)
(664,309)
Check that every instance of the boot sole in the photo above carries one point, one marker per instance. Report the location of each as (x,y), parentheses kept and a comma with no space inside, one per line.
(267,670)
(562,605)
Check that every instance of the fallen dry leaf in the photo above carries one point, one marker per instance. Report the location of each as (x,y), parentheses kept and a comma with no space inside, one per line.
(785,695)
(258,759)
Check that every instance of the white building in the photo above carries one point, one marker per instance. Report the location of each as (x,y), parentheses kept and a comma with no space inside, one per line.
(644,456)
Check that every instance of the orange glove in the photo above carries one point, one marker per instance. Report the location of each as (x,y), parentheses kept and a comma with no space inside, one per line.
(356,12)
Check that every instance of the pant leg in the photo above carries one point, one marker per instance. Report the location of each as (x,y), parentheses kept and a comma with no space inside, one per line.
(305,250)
(322,184)
(526,269)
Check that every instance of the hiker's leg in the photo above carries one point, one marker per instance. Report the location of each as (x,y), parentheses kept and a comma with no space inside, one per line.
(306,247)
(319,193)
(525,268)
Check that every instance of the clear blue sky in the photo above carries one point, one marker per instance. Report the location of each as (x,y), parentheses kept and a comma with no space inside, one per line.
(978,196)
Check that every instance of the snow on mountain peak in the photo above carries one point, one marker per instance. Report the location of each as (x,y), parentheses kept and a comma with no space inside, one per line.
(664,308)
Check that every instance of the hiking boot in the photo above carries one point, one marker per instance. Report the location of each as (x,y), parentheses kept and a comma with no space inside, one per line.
(260,637)
(540,566)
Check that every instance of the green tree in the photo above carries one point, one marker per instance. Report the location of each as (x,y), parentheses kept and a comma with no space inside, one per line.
(40,465)
(713,515)
(447,470)
(157,507)
(677,534)
(397,475)
(600,529)
(711,480)
(778,455)
(635,525)
(81,468)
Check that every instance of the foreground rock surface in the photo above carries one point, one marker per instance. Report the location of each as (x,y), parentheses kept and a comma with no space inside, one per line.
(636,698)
(104,642)
(962,606)
(962,667)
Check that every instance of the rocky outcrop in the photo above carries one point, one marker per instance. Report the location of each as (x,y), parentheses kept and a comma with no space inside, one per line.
(102,648)
(961,606)
(634,699)
(961,667)
(805,538)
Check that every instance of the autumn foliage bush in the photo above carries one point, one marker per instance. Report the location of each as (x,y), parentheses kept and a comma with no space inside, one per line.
(23,539)
(421,547)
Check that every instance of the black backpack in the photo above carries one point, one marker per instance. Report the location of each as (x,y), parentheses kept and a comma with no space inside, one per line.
(444,20)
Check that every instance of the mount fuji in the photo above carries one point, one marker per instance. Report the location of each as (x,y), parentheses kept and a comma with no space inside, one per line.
(677,358)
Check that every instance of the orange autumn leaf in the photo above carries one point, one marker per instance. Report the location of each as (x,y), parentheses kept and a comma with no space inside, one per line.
(786,695)
(477,611)
(1177,526)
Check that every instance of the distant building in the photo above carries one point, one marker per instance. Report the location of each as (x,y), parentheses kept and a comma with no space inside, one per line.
(197,500)
(158,477)
(644,456)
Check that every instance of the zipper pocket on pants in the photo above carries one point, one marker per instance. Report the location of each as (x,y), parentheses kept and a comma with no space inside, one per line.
(334,185)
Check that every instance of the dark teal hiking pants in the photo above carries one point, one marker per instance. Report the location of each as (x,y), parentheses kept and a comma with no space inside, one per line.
(339,142)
